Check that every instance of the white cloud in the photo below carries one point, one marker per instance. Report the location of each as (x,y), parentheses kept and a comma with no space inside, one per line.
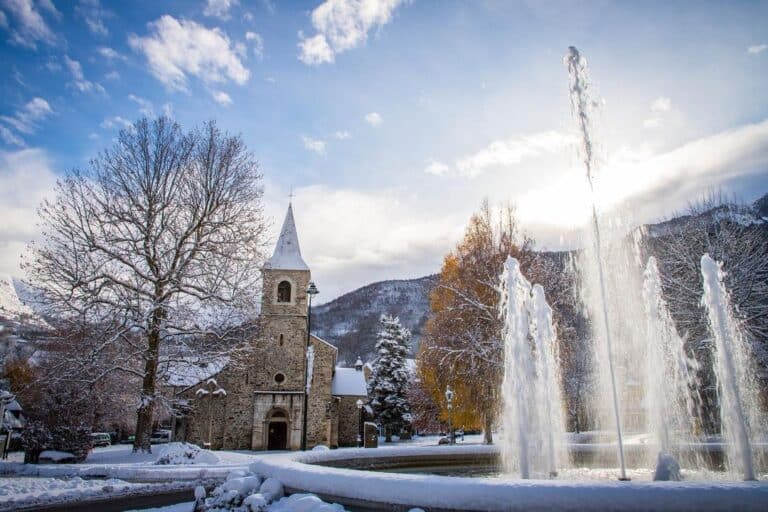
(373,118)
(109,53)
(315,145)
(168,110)
(79,81)
(315,50)
(115,122)
(3,20)
(342,134)
(92,13)
(29,27)
(396,238)
(219,8)
(145,106)
(659,107)
(26,179)
(221,98)
(650,185)
(758,48)
(258,43)
(9,137)
(24,121)
(112,75)
(178,48)
(436,168)
(504,153)
(342,25)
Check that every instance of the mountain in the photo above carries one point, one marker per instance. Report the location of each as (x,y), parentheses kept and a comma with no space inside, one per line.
(351,322)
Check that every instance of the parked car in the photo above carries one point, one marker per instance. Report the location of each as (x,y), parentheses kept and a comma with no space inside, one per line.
(100,439)
(128,440)
(160,436)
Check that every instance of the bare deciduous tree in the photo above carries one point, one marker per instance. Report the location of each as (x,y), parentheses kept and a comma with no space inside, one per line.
(734,235)
(158,245)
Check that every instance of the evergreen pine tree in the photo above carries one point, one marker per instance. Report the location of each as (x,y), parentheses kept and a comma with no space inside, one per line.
(388,384)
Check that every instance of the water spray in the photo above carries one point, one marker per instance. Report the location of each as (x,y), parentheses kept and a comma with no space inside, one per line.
(581,105)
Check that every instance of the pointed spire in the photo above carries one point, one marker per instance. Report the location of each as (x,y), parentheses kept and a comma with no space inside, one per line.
(287,255)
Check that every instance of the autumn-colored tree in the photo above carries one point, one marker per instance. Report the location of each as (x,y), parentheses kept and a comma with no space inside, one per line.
(462,345)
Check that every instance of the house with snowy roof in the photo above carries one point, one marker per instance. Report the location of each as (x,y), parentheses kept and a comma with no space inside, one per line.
(289,394)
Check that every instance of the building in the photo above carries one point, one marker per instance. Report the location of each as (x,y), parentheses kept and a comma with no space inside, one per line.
(260,405)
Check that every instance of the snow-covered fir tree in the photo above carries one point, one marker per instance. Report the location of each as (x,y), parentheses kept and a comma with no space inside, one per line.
(388,384)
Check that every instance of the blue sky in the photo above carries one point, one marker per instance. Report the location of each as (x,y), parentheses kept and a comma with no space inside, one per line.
(390,119)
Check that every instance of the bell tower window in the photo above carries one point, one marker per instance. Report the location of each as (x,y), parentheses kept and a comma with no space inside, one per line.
(284,292)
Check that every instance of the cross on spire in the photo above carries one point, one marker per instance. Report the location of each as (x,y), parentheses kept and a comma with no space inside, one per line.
(291,196)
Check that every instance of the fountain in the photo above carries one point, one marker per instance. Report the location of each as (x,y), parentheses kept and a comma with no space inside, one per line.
(581,105)
(670,378)
(533,420)
(739,405)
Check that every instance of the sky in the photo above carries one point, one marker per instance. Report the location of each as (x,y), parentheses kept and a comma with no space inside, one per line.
(391,120)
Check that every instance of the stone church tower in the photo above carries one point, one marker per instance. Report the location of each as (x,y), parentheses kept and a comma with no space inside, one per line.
(260,404)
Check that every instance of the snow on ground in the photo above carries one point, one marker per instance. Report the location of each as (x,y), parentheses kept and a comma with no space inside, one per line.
(16,492)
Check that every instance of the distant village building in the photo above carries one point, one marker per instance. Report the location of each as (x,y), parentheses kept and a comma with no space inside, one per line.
(260,405)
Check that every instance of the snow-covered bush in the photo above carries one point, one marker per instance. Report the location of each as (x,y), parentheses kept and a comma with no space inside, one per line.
(245,492)
(320,448)
(37,438)
(184,453)
(272,489)
(304,503)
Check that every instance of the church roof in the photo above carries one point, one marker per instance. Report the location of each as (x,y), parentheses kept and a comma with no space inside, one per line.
(348,382)
(287,255)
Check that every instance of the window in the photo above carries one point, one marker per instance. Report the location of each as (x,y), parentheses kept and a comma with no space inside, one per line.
(280,341)
(279,378)
(284,291)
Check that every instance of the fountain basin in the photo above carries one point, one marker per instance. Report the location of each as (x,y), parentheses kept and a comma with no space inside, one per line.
(349,477)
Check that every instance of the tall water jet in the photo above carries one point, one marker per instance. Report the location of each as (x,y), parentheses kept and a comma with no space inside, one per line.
(533,418)
(732,365)
(581,105)
(550,397)
(669,377)
(518,369)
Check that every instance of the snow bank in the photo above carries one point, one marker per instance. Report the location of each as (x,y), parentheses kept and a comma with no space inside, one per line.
(22,492)
(304,503)
(175,454)
(428,491)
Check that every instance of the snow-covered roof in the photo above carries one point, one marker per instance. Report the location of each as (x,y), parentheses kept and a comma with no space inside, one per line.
(348,382)
(287,255)
(186,373)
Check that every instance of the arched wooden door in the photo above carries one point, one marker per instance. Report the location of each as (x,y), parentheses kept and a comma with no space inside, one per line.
(277,430)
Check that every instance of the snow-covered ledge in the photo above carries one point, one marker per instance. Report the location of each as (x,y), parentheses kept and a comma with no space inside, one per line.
(304,472)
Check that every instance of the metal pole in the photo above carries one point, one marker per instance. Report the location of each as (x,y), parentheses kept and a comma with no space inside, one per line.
(306,374)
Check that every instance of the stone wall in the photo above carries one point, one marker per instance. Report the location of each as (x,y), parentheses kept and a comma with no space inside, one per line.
(319,421)
(348,420)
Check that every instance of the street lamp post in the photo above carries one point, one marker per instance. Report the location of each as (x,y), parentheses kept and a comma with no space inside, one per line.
(311,292)
(213,391)
(359,423)
(449,400)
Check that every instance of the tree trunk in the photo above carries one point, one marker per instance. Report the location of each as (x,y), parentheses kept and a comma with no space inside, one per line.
(388,434)
(146,408)
(488,429)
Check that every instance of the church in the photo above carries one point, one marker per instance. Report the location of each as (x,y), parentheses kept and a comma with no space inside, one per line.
(290,395)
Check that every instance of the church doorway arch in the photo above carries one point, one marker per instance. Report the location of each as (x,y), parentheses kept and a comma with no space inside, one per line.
(277,430)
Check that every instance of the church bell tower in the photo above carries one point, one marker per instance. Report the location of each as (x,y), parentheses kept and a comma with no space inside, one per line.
(285,278)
